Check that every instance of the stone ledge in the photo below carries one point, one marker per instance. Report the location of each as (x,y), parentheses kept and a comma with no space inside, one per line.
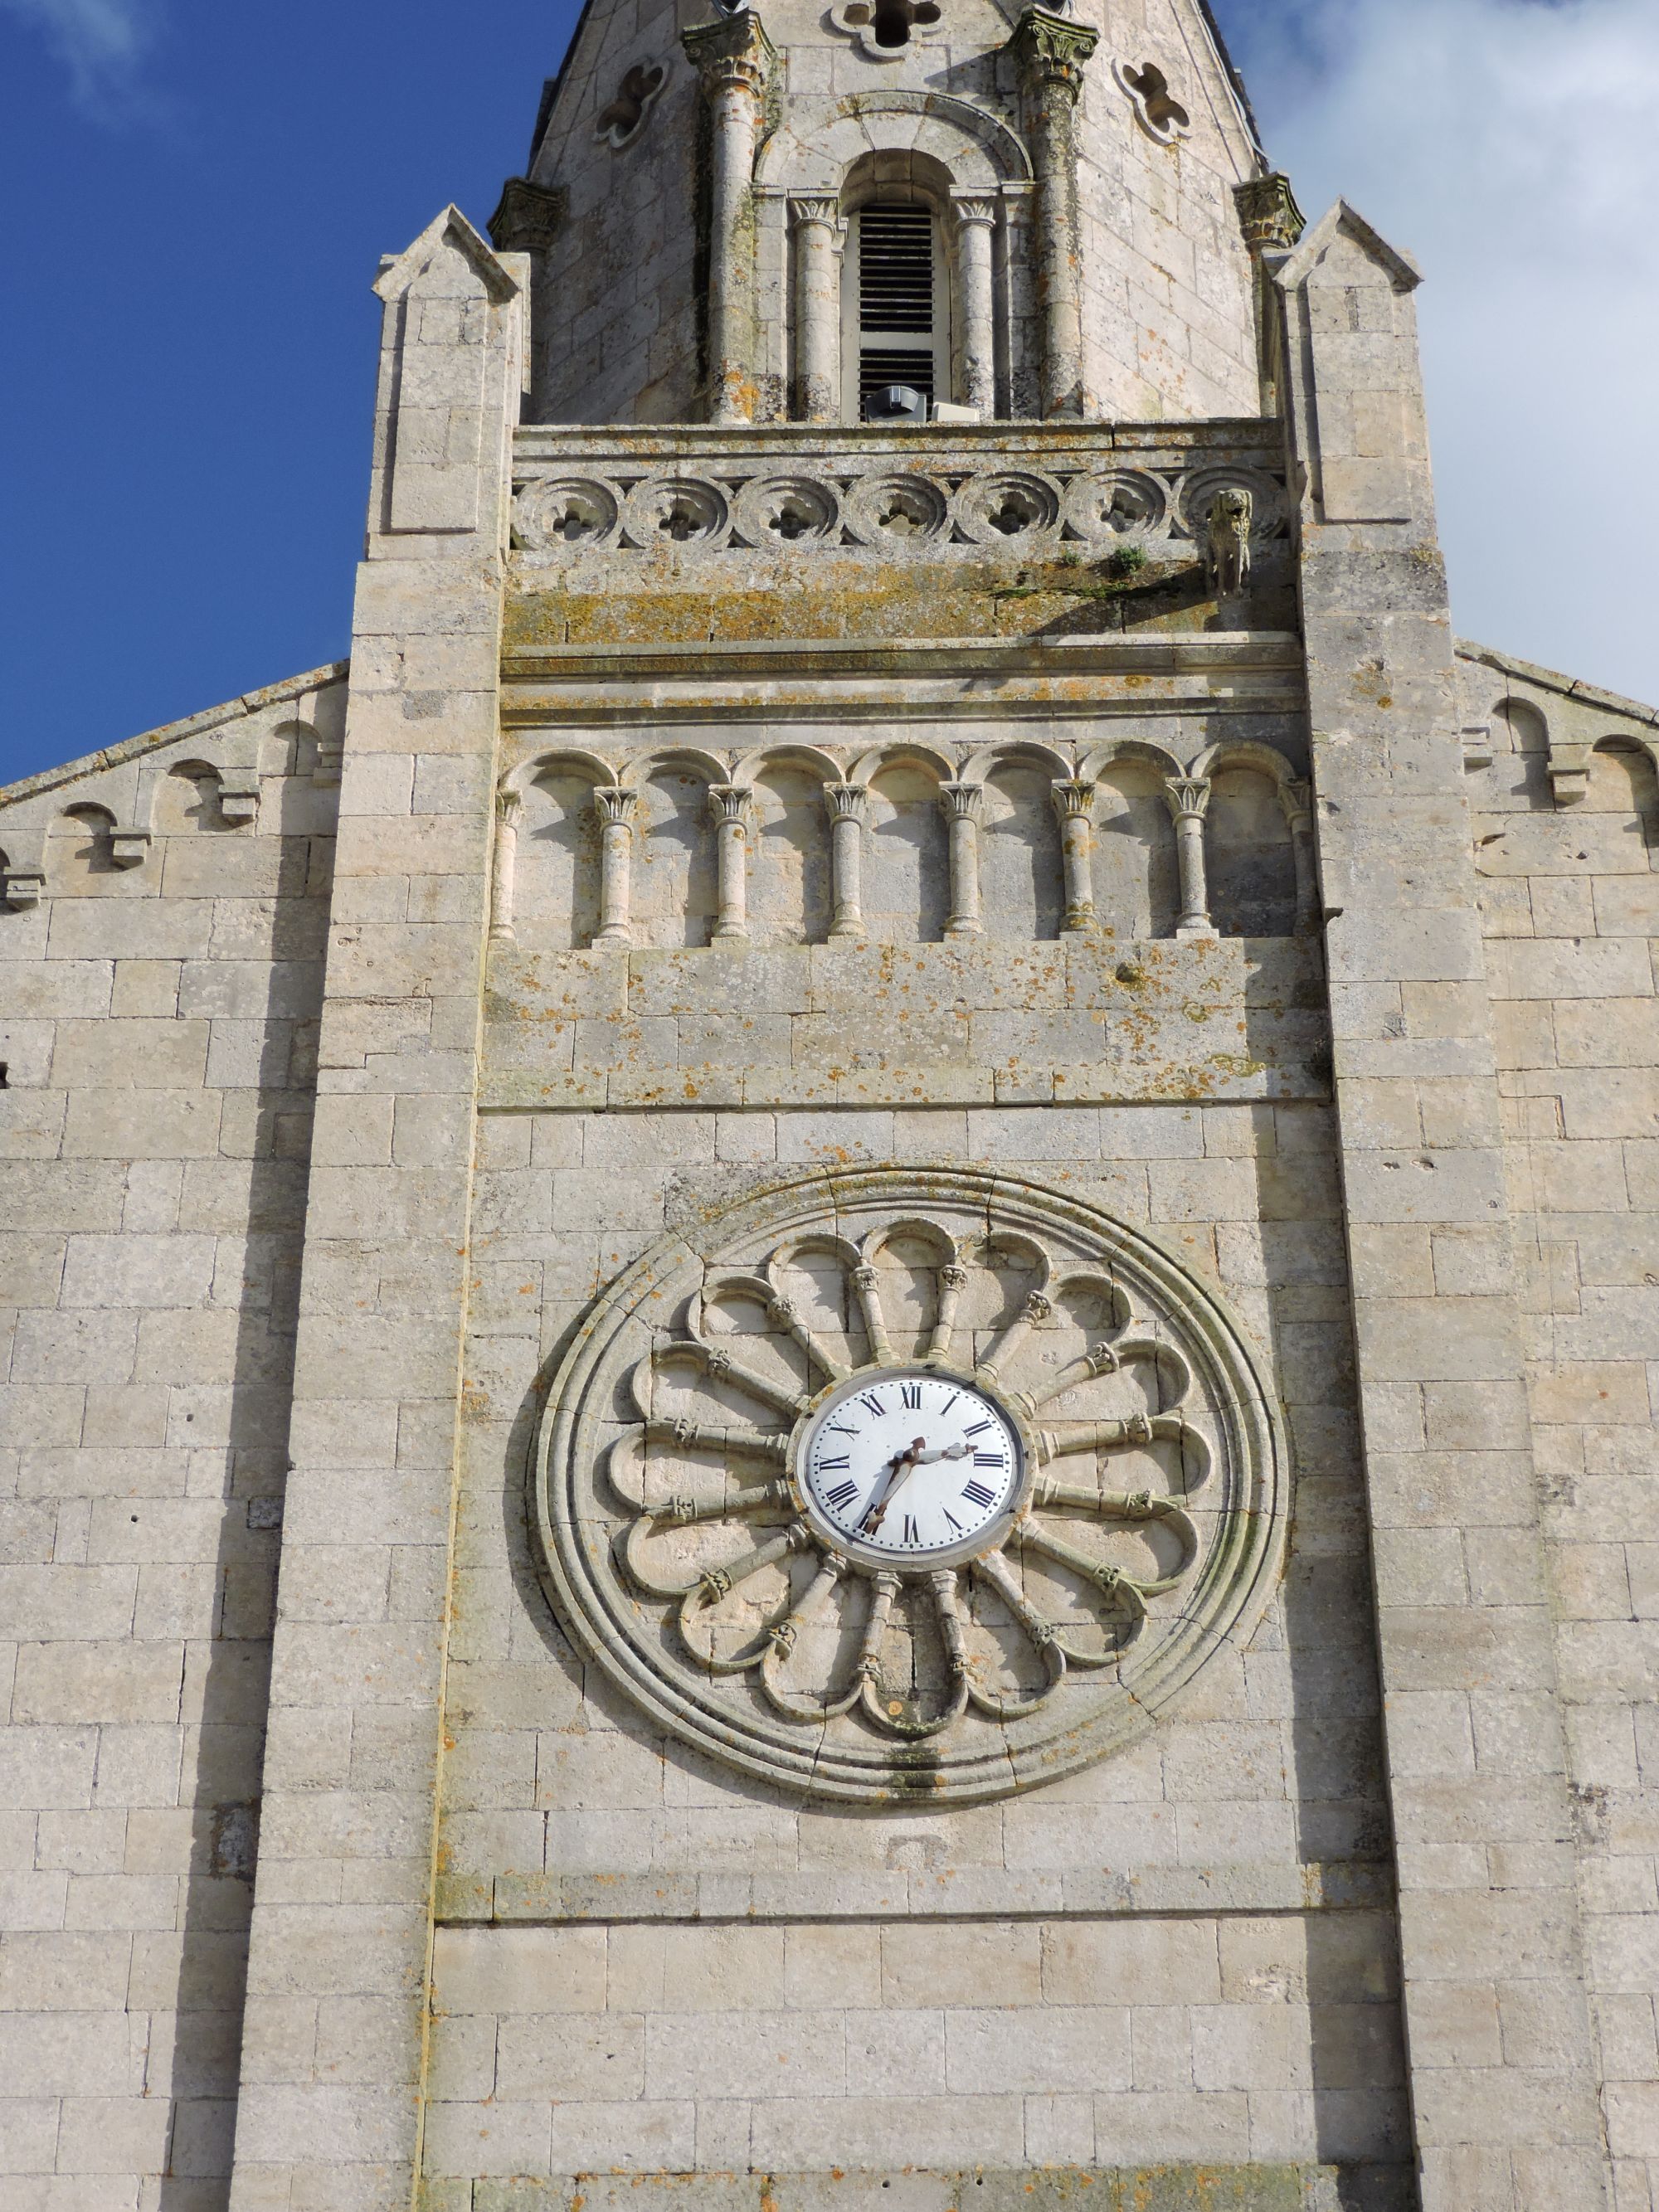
(1174,2188)
(1336,1886)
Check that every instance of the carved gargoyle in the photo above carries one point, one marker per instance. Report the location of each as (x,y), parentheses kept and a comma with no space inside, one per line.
(638,89)
(1227,541)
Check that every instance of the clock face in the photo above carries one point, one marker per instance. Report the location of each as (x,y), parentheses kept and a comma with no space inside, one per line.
(907,1463)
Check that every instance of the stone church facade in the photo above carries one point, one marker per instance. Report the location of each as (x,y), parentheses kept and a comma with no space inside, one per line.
(1015,916)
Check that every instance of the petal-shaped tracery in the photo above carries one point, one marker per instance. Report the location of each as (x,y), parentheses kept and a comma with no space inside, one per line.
(863,1610)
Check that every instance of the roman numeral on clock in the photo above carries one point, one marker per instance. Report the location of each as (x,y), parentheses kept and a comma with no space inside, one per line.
(911,1534)
(830,1465)
(911,1395)
(978,1493)
(874,1403)
(953,1521)
(841,1496)
(976,1429)
(990,1459)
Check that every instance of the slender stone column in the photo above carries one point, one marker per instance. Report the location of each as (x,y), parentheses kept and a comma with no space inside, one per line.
(1272,223)
(1189,800)
(975,225)
(1298,812)
(1051,51)
(503,865)
(848,804)
(1074,803)
(964,803)
(728,804)
(733,57)
(817,309)
(616,809)
(528,219)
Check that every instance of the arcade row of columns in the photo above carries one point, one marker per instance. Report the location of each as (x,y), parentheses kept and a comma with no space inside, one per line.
(736,62)
(731,808)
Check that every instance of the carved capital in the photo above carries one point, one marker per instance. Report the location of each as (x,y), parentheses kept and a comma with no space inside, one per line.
(1187,797)
(1298,800)
(1051,50)
(735,51)
(816,207)
(729,804)
(847,802)
(974,208)
(962,802)
(1268,214)
(1073,799)
(615,806)
(528,217)
(509,806)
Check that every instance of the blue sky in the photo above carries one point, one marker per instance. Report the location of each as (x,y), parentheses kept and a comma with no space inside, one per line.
(199,195)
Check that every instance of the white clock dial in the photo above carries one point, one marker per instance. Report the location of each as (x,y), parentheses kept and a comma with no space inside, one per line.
(908,1462)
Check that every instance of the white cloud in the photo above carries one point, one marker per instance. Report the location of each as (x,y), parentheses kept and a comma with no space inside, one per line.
(1511,145)
(99,42)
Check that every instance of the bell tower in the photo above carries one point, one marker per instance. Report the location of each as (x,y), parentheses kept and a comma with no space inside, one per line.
(719,205)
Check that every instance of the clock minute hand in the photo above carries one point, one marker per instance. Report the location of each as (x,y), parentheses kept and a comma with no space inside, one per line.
(946,1451)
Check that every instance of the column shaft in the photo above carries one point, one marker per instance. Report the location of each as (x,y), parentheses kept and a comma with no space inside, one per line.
(733,57)
(729,806)
(847,803)
(616,808)
(1074,803)
(1052,51)
(503,865)
(963,804)
(817,310)
(1189,800)
(975,224)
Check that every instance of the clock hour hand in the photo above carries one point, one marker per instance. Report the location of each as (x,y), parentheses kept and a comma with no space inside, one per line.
(898,1470)
(946,1451)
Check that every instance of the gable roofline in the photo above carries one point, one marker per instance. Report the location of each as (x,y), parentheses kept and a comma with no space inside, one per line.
(449,227)
(1551,679)
(1234,76)
(553,85)
(1343,217)
(169,734)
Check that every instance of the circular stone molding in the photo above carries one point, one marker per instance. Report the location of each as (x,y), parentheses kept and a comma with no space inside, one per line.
(773,512)
(671,511)
(1123,503)
(687,1559)
(565,511)
(894,511)
(1003,508)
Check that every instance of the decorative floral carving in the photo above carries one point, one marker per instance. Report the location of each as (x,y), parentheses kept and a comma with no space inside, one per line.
(690,1560)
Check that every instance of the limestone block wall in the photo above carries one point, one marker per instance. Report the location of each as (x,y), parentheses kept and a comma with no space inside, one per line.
(1566,823)
(646,1962)
(1168,316)
(159,988)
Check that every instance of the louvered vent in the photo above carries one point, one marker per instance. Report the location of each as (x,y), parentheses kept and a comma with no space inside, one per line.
(896,298)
